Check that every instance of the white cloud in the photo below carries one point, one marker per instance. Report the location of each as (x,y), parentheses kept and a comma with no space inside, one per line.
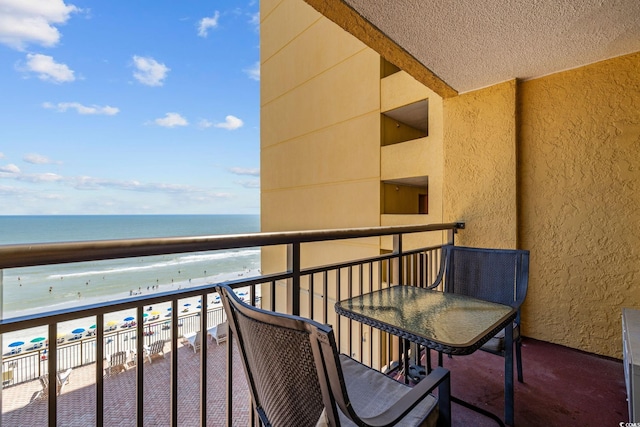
(171,120)
(149,71)
(12,191)
(204,124)
(38,159)
(1,155)
(249,184)
(254,72)
(230,123)
(10,168)
(245,171)
(23,22)
(47,69)
(255,19)
(40,177)
(205,23)
(82,109)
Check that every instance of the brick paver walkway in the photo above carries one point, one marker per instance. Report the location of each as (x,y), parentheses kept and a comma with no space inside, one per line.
(76,404)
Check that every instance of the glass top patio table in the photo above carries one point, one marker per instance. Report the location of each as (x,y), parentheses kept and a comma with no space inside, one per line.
(451,323)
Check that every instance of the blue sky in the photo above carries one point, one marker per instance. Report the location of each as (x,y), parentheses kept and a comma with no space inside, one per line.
(129,107)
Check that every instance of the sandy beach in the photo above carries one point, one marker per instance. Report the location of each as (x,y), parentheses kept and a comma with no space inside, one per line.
(189,306)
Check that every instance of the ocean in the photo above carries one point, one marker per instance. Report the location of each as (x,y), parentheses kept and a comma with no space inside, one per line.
(45,288)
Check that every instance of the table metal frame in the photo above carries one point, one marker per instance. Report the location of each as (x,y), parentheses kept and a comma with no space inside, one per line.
(374,309)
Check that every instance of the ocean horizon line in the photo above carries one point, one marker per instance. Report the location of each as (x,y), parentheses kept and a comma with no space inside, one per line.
(145,214)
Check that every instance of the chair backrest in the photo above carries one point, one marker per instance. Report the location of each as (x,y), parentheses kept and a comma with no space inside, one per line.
(497,275)
(119,358)
(156,347)
(222,329)
(277,356)
(197,340)
(292,364)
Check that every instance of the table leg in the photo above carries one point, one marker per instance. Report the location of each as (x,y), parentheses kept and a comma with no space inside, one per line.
(508,375)
(405,359)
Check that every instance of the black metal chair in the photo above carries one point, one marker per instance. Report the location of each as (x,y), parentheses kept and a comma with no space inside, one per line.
(294,372)
(497,275)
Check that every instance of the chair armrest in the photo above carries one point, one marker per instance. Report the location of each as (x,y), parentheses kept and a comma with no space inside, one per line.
(439,378)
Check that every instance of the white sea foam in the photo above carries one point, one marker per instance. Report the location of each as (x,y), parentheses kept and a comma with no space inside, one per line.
(188,259)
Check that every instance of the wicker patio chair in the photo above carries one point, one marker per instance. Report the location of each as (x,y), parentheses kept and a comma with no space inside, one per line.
(496,275)
(294,372)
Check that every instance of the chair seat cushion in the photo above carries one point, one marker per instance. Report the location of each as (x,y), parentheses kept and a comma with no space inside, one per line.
(496,343)
(372,392)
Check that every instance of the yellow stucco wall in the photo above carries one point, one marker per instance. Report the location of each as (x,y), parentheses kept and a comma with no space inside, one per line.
(480,166)
(321,97)
(320,134)
(552,165)
(580,198)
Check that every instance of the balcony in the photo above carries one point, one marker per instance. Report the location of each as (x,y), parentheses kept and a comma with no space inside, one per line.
(207,387)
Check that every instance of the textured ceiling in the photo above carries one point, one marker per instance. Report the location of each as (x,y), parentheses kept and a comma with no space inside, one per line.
(474,44)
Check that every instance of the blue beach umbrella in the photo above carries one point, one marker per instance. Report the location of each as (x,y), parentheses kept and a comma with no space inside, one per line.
(169,309)
(187,305)
(78,331)
(129,319)
(16,344)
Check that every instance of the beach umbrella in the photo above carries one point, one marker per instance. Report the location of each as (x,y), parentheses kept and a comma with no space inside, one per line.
(187,305)
(16,344)
(155,313)
(168,308)
(145,314)
(92,326)
(129,319)
(112,323)
(78,331)
(38,339)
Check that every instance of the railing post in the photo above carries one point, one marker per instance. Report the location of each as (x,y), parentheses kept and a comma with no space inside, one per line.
(293,288)
(52,372)
(398,275)
(1,335)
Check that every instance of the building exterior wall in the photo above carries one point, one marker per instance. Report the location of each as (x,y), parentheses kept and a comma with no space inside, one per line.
(480,166)
(580,202)
(324,158)
(320,134)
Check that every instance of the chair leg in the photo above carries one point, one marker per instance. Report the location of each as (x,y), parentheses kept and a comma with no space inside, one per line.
(519,359)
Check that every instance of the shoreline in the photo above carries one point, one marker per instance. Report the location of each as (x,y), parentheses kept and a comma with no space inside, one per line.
(65,328)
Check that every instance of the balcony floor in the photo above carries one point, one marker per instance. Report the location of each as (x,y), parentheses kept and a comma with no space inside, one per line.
(563,387)
(76,404)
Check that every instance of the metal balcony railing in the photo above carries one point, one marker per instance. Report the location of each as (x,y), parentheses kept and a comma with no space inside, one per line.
(309,292)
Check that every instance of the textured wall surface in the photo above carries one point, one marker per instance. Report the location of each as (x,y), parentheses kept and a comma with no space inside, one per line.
(580,200)
(480,166)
